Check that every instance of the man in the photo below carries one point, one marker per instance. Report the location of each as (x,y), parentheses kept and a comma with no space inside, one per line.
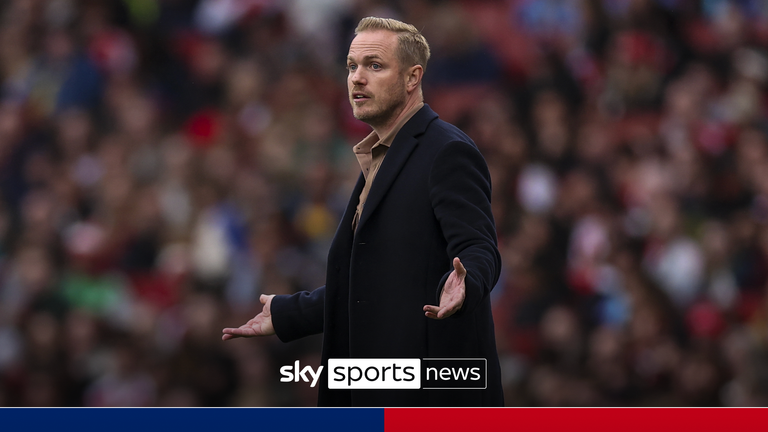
(418,230)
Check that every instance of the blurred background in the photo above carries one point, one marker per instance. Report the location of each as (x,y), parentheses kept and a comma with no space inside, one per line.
(163,162)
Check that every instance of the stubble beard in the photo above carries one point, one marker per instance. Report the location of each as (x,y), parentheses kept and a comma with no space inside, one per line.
(393,102)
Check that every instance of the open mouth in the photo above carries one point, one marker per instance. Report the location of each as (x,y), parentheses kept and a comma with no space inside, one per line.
(359,97)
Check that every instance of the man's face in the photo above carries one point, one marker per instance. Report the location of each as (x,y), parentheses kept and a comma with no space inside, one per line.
(376,83)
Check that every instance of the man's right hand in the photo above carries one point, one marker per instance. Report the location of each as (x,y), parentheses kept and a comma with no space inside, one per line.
(260,325)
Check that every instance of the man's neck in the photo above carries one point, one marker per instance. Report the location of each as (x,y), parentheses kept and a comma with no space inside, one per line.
(382,131)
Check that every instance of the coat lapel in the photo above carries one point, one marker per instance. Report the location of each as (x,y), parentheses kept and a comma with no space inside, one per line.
(344,232)
(402,147)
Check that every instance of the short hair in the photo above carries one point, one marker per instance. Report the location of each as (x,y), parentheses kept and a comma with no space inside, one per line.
(412,48)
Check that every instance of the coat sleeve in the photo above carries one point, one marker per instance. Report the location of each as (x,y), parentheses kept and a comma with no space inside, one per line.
(460,191)
(298,315)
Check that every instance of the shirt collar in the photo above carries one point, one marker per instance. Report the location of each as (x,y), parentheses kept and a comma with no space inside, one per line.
(373,140)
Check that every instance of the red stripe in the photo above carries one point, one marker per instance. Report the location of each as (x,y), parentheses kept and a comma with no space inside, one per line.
(575,419)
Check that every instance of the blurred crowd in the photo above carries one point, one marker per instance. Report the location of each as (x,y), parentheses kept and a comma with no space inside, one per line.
(164,162)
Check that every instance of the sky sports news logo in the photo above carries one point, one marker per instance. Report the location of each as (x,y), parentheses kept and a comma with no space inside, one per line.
(429,373)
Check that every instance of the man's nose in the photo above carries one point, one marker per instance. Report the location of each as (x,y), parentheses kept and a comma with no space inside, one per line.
(357,77)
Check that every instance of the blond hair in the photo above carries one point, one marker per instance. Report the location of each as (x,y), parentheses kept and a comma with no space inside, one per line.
(412,49)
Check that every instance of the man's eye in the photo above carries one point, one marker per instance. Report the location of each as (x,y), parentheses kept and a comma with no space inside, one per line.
(375,66)
(351,67)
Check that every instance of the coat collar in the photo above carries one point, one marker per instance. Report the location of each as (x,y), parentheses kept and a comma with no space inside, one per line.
(402,146)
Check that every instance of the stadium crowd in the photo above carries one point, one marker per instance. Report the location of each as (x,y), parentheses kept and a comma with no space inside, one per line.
(163,162)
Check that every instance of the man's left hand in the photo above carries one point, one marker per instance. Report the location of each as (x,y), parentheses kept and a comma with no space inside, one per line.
(453,294)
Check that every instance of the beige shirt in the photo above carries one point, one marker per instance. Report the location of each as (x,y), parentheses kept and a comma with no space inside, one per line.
(370,154)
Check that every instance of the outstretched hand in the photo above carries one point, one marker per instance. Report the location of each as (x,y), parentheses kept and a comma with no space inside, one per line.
(452,297)
(260,325)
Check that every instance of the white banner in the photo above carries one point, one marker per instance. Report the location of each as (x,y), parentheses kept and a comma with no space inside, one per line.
(374,373)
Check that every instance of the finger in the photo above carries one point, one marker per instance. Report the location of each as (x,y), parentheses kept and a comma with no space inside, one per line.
(236,330)
(241,332)
(460,270)
(446,312)
(228,335)
(263,299)
(433,311)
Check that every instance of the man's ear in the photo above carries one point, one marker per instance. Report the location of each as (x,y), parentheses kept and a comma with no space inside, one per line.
(413,77)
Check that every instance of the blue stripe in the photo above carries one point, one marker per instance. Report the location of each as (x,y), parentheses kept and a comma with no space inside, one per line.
(191,419)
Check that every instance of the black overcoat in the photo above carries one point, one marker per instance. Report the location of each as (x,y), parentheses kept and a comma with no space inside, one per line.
(430,202)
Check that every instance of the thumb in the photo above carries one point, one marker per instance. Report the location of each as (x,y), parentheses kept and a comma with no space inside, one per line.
(459,267)
(263,299)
